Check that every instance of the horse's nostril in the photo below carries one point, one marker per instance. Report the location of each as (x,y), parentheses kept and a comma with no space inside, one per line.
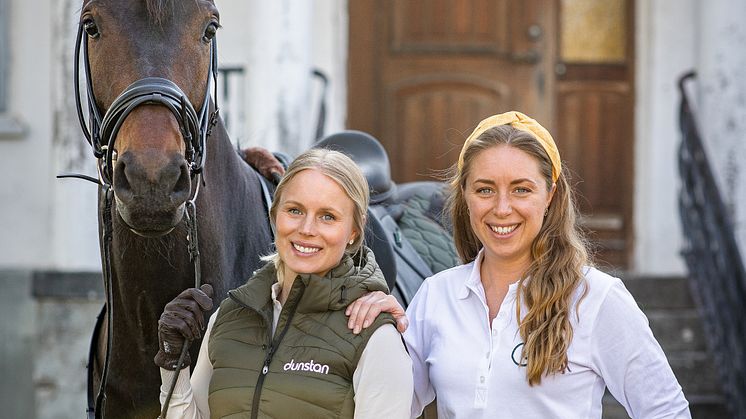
(183,184)
(122,185)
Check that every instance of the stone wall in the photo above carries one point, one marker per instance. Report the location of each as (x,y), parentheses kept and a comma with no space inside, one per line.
(46,322)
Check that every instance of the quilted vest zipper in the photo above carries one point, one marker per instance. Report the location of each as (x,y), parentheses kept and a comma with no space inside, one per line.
(267,360)
(274,344)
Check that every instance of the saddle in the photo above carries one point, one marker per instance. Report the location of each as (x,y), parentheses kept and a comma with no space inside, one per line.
(405,226)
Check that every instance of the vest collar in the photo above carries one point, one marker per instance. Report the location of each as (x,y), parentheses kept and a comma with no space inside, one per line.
(354,277)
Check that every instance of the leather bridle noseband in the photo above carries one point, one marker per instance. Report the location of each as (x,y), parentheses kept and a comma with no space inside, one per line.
(101,133)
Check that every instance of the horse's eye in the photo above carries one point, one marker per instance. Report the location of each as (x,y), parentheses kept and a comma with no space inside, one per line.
(90,28)
(210,31)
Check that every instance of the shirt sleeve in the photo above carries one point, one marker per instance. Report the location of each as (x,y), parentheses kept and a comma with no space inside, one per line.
(417,338)
(631,362)
(383,378)
(189,399)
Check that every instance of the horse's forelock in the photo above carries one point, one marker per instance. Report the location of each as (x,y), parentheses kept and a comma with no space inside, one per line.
(159,11)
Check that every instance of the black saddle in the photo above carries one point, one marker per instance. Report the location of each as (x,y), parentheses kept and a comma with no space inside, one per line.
(402,265)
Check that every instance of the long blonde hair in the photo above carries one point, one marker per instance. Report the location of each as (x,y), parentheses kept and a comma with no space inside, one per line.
(341,169)
(558,254)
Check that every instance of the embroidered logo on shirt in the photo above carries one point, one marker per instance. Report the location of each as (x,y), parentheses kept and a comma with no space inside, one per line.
(306,366)
(516,355)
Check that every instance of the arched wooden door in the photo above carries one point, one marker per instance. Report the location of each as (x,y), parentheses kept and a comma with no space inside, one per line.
(422,73)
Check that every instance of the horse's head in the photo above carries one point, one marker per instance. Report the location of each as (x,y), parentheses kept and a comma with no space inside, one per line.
(149,155)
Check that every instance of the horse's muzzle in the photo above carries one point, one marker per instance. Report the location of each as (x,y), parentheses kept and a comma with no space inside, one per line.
(150,191)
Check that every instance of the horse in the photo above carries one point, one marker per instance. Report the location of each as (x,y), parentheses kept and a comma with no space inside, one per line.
(168,175)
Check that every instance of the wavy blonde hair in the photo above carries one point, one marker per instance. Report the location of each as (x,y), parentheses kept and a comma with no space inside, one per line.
(558,254)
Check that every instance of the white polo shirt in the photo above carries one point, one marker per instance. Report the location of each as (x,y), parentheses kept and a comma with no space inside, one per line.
(475,371)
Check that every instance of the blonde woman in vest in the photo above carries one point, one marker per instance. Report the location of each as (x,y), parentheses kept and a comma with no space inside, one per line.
(279,347)
(525,328)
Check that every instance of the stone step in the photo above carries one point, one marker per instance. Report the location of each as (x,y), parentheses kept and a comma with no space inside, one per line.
(675,321)
(696,372)
(652,292)
(678,330)
(700,407)
(698,378)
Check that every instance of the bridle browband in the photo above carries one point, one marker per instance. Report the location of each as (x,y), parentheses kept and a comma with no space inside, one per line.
(101,133)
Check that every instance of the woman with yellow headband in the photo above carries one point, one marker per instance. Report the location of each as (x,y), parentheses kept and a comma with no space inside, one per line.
(525,328)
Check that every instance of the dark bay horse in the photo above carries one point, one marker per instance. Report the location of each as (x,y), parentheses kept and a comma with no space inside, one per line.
(152,158)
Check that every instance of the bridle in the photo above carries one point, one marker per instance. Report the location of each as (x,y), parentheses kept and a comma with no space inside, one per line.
(101,132)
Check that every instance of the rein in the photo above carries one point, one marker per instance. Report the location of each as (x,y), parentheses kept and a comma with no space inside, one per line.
(101,132)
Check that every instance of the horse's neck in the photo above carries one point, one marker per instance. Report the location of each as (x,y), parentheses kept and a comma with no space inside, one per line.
(233,221)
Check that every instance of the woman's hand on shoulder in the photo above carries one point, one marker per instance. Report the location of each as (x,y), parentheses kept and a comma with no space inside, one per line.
(365,310)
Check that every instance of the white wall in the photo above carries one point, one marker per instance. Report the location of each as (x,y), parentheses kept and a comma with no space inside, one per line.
(26,222)
(665,40)
(721,84)
(674,36)
(74,234)
(330,35)
(280,43)
(46,223)
(273,39)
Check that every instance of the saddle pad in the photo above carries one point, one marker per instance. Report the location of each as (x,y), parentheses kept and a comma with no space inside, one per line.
(431,240)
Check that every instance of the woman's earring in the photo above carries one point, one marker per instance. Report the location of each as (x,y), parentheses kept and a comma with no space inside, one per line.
(546,212)
(350,242)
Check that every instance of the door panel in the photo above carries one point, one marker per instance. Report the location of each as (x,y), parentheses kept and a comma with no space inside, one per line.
(454,101)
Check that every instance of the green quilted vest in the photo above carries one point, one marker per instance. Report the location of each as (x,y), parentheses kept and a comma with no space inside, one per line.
(304,370)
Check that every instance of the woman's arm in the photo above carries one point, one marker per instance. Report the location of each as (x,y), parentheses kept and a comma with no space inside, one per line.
(383,378)
(417,339)
(189,399)
(631,362)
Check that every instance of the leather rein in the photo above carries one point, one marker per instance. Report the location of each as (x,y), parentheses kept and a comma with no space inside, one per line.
(101,132)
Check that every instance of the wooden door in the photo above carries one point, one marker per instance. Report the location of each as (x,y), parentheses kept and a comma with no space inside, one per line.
(422,73)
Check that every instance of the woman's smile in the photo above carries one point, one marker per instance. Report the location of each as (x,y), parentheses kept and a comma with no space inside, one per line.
(503,230)
(306,249)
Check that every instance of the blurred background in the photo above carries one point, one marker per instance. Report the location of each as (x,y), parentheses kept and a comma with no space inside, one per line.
(602,76)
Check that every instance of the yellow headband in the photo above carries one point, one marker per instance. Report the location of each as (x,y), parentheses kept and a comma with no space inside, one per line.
(522,122)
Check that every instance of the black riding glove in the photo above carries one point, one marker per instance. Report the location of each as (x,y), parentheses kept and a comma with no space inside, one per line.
(182,318)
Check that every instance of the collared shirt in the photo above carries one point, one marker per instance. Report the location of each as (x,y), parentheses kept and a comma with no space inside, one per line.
(382,380)
(476,370)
